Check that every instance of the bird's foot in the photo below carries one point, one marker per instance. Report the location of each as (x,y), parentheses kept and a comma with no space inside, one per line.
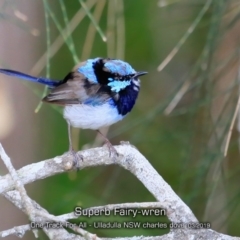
(112,151)
(76,158)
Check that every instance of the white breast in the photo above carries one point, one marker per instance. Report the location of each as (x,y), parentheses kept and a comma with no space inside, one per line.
(91,117)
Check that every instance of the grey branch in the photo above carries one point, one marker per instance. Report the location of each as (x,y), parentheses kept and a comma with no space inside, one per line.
(42,216)
(132,160)
(18,185)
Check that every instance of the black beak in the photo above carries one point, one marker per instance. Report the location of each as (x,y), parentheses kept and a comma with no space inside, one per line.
(138,74)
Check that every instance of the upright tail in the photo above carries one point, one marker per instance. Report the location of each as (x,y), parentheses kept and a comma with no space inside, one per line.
(45,81)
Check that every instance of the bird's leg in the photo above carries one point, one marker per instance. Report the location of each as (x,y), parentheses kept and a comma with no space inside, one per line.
(71,150)
(112,151)
(70,137)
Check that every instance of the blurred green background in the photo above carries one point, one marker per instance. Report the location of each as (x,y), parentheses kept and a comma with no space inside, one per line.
(186,111)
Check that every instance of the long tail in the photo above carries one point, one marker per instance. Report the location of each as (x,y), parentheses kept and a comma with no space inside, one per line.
(45,81)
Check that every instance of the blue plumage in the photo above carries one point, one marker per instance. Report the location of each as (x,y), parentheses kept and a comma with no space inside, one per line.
(117,86)
(99,93)
(119,67)
(45,81)
(87,69)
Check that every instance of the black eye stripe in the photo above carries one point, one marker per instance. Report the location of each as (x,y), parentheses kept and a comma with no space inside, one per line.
(117,77)
(103,74)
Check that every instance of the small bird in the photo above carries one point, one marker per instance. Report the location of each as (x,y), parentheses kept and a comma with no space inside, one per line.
(97,93)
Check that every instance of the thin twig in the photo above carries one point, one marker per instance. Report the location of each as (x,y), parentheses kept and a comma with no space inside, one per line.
(177,97)
(59,41)
(17,183)
(229,134)
(42,216)
(84,6)
(91,32)
(185,36)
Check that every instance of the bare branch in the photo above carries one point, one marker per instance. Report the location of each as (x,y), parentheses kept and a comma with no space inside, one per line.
(19,186)
(17,231)
(42,216)
(17,183)
(130,159)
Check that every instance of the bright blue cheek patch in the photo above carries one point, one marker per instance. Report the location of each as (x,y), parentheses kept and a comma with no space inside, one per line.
(119,67)
(116,86)
(87,70)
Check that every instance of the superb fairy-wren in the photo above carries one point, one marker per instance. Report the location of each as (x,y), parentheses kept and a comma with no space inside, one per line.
(96,94)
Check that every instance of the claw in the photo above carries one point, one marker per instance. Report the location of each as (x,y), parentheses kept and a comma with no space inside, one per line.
(76,159)
(112,151)
(76,156)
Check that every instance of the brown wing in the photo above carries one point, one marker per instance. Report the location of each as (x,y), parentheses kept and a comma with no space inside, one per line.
(76,89)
